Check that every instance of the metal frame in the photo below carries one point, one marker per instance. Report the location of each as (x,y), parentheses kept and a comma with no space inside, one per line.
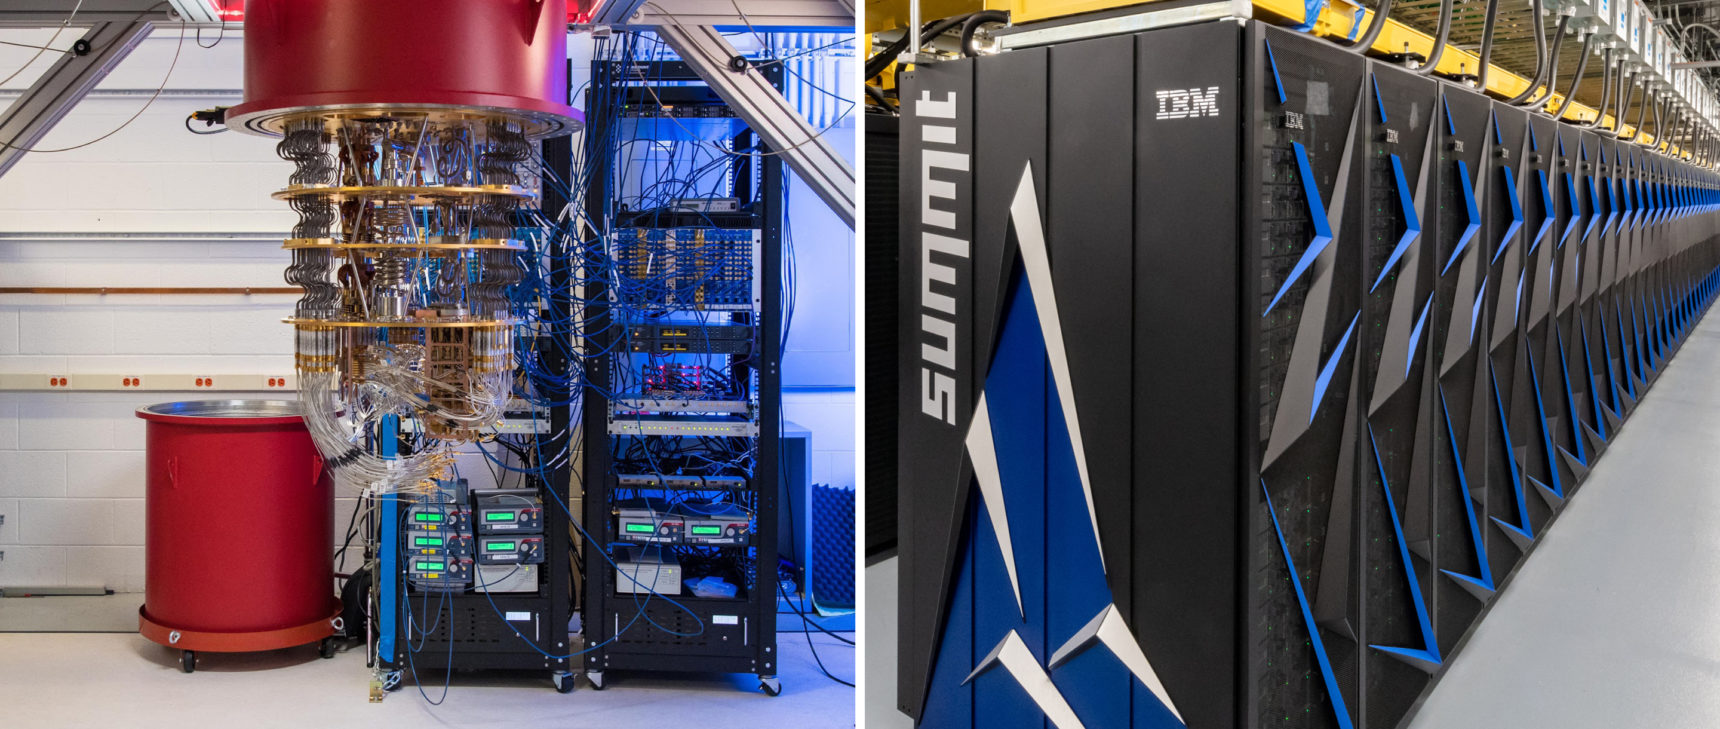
(52,96)
(744,13)
(760,102)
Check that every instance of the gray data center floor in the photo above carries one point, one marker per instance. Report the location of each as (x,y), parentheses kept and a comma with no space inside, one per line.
(1611,623)
(106,680)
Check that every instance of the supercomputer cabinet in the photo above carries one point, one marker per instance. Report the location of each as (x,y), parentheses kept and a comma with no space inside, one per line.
(1239,372)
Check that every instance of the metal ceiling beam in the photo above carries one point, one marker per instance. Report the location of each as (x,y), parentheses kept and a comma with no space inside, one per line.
(33,114)
(53,13)
(770,115)
(776,14)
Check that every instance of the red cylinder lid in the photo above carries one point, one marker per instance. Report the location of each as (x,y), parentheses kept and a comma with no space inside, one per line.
(223,413)
(498,55)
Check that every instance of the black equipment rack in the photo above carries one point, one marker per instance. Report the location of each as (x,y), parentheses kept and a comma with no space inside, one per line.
(627,631)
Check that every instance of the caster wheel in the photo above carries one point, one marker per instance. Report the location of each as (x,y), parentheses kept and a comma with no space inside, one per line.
(563,681)
(770,685)
(596,679)
(187,661)
(327,648)
(391,681)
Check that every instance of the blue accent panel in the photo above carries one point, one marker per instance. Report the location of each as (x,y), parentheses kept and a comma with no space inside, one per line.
(1646,351)
(1594,205)
(1324,379)
(1516,214)
(1277,81)
(1430,649)
(1379,101)
(949,702)
(1470,207)
(1517,304)
(1510,451)
(1546,207)
(1147,711)
(998,700)
(387,435)
(1342,714)
(1534,141)
(1570,398)
(1016,390)
(1412,224)
(1475,309)
(1498,136)
(1624,358)
(1322,227)
(1625,198)
(1612,206)
(1095,682)
(1594,383)
(1415,335)
(1310,13)
(1450,126)
(1480,547)
(1571,191)
(1541,425)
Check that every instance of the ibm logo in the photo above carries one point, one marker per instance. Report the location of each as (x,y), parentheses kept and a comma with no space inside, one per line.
(1185,103)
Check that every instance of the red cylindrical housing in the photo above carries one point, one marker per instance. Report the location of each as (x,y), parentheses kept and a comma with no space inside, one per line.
(499,55)
(239,528)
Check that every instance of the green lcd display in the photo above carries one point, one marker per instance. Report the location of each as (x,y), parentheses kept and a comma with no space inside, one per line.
(431,566)
(502,546)
(426,516)
(499,516)
(707,531)
(427,541)
(640,528)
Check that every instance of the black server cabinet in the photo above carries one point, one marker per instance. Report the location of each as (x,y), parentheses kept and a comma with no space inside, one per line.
(1240,372)
(682,632)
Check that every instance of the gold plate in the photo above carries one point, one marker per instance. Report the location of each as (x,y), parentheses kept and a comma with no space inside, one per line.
(319,323)
(473,244)
(421,194)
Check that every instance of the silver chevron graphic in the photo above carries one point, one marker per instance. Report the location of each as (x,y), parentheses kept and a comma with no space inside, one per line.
(1108,629)
(982,450)
(1036,263)
(1014,656)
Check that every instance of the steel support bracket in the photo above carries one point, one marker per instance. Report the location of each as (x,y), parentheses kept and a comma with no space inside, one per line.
(34,114)
(770,115)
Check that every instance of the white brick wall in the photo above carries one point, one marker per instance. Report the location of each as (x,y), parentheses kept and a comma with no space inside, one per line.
(154,205)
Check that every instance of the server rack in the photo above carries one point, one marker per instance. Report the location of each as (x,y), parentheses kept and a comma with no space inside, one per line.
(682,633)
(473,630)
(1258,365)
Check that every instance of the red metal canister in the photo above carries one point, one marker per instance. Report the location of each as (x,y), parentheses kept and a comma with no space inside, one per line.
(394,54)
(239,528)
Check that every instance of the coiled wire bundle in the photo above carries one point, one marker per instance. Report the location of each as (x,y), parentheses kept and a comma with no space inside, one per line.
(405,249)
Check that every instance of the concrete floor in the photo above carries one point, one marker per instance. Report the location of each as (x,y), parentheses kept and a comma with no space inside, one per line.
(107,680)
(1610,624)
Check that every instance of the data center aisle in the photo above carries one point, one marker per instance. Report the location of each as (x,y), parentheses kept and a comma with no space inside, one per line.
(1612,624)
